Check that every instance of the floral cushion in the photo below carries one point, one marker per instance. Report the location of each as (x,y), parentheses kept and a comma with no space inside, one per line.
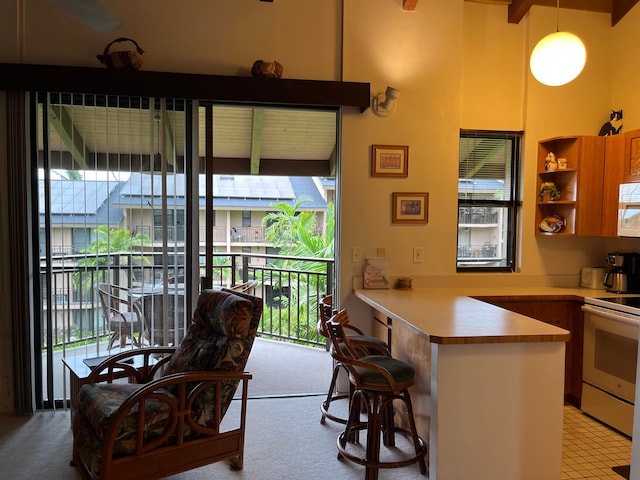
(98,403)
(215,340)
(220,337)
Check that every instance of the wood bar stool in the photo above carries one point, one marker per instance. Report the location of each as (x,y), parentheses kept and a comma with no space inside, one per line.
(378,380)
(325,307)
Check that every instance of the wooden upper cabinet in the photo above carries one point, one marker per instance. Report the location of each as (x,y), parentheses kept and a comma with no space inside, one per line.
(631,156)
(613,176)
(578,211)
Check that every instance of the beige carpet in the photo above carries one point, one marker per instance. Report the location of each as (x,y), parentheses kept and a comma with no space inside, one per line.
(284,439)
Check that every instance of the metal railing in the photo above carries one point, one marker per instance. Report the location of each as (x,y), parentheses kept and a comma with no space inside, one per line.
(290,287)
(477,215)
(485,251)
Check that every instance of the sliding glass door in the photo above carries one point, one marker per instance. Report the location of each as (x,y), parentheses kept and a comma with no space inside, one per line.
(143,201)
(112,221)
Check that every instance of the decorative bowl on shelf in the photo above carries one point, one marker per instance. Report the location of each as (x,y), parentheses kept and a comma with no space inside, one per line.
(551,224)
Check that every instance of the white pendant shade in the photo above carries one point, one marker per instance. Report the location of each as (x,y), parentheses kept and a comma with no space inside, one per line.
(558,58)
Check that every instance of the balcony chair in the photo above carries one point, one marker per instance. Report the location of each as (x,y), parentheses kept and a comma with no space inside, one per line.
(378,381)
(326,311)
(154,316)
(246,287)
(235,235)
(121,314)
(169,417)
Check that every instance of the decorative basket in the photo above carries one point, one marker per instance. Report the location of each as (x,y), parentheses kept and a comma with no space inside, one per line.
(131,59)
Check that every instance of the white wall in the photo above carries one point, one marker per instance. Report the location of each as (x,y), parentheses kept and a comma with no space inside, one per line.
(457,65)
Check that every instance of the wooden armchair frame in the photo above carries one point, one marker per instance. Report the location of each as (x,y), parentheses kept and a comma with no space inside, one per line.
(157,459)
(173,418)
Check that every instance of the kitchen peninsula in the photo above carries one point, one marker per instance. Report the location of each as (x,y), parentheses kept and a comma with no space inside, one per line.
(488,396)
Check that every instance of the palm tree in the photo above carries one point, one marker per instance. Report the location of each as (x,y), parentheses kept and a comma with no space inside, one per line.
(109,242)
(295,233)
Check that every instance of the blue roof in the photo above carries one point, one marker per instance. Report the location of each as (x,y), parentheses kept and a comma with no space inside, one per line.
(101,202)
(479,184)
(240,192)
(81,202)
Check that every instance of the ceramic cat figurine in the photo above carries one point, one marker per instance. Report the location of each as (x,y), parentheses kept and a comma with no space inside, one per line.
(614,125)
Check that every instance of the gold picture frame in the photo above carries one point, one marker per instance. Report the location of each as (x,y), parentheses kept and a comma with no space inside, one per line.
(389,161)
(410,207)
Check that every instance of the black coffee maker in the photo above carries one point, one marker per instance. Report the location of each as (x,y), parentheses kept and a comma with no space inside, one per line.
(624,274)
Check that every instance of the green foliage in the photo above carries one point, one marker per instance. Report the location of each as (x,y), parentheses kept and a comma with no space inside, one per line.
(73,175)
(108,241)
(112,240)
(295,232)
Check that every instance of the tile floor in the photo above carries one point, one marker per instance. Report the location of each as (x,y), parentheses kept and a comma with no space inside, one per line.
(590,449)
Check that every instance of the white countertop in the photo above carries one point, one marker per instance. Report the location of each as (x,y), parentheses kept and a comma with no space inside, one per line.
(451,316)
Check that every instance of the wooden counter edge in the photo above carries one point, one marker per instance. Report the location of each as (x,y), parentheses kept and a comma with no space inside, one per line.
(469,340)
(560,337)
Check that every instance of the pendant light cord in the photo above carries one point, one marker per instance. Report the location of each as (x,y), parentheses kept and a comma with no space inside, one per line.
(558,16)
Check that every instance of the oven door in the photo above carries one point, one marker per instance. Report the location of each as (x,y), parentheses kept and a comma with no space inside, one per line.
(610,351)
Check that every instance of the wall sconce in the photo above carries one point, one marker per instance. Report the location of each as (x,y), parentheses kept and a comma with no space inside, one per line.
(558,58)
(388,106)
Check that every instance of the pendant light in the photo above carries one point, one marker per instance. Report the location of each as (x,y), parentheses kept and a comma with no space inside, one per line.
(558,58)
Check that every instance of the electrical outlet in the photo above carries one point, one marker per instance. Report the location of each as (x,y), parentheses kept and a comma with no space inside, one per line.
(356,254)
(381,252)
(418,254)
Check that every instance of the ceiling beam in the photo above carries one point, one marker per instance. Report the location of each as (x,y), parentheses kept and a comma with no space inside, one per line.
(169,144)
(69,134)
(333,162)
(518,9)
(409,4)
(256,140)
(620,9)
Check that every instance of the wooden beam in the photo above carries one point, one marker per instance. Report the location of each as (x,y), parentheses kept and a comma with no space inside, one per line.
(169,144)
(282,91)
(69,134)
(333,162)
(620,8)
(518,9)
(409,4)
(256,140)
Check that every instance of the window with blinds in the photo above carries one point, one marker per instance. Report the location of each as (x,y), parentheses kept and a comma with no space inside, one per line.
(488,200)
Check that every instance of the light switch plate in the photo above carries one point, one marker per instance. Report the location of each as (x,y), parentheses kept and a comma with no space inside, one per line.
(418,254)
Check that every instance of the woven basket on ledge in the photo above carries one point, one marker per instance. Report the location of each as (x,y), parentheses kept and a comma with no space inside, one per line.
(131,59)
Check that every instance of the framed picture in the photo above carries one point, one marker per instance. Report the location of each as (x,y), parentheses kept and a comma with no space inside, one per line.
(389,161)
(410,207)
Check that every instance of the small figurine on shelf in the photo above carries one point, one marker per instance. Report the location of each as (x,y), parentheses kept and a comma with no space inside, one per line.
(550,162)
(562,163)
(549,192)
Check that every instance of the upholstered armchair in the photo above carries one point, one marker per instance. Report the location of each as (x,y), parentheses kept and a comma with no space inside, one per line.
(153,412)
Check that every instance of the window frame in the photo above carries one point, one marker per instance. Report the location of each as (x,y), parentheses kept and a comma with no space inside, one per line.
(513,205)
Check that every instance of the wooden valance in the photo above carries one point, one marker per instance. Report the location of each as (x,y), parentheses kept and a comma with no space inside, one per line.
(219,88)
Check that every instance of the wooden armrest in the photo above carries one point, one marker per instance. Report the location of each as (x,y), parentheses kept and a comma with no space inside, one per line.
(366,347)
(123,364)
(158,390)
(348,326)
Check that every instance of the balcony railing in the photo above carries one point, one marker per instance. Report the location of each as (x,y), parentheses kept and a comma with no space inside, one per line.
(289,286)
(485,251)
(477,216)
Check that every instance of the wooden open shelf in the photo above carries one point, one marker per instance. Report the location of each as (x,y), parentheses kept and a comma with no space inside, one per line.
(580,184)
